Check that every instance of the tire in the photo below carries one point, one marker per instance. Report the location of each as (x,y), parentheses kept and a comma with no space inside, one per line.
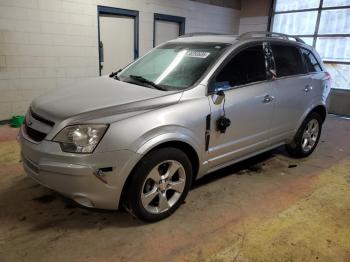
(159,184)
(306,140)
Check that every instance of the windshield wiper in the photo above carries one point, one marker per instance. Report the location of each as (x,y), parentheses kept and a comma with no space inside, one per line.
(146,81)
(115,74)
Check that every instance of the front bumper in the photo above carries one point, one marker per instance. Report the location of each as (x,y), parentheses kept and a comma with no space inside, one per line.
(76,175)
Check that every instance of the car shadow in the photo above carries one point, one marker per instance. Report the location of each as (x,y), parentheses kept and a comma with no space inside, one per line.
(254,164)
(39,208)
(24,202)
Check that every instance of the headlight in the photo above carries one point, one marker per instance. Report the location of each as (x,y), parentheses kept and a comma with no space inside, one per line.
(80,138)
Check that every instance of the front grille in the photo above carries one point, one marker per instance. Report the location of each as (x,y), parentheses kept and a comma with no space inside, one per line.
(34,134)
(32,131)
(41,119)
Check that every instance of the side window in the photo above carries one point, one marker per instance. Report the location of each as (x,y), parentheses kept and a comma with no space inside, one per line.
(288,60)
(245,67)
(310,60)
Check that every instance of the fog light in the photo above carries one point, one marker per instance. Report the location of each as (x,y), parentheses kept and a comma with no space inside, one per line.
(82,200)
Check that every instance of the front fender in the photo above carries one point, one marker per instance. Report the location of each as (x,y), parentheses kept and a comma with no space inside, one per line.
(150,141)
(178,134)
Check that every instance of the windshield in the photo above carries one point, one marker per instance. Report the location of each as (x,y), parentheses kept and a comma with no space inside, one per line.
(173,66)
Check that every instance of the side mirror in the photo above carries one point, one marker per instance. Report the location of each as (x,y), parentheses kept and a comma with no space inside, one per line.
(218,97)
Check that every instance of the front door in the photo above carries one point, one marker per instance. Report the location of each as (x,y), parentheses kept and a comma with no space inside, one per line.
(248,104)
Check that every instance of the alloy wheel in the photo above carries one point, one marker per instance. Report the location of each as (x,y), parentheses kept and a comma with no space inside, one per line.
(163,186)
(310,135)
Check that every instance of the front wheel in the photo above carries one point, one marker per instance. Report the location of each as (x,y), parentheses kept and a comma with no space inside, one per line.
(160,183)
(307,137)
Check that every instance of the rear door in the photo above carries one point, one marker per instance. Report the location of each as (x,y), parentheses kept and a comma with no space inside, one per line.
(292,86)
(248,104)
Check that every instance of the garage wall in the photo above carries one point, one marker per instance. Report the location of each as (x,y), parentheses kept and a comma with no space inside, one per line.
(48,44)
(256,23)
(235,4)
(254,15)
(340,102)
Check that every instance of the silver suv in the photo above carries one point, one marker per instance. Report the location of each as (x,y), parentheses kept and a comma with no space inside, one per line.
(141,135)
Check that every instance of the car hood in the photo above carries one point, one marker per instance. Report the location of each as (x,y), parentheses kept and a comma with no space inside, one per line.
(100,97)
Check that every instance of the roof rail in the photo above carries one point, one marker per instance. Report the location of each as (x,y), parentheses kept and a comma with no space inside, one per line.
(199,34)
(247,35)
(269,34)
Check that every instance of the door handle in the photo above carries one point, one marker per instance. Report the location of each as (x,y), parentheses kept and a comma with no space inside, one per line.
(308,88)
(267,99)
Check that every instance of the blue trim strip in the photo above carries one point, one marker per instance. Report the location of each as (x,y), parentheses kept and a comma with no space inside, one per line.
(121,12)
(170,18)
(117,11)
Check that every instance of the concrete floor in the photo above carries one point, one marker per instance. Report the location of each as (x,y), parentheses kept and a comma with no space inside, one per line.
(269,208)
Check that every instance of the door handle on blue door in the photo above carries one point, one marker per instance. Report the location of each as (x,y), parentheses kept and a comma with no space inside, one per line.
(267,99)
(308,88)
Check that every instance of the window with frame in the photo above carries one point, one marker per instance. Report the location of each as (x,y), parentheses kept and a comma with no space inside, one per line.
(248,66)
(323,24)
(310,61)
(287,60)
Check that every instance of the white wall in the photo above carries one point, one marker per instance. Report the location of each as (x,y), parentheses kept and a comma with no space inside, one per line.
(254,15)
(255,23)
(48,44)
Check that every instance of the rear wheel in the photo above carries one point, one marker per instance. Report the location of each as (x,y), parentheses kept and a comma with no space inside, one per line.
(307,137)
(160,183)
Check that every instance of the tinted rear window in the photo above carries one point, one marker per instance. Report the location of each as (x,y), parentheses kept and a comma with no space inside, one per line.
(310,61)
(288,60)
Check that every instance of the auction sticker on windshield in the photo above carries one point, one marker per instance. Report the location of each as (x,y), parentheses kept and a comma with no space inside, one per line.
(197,54)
